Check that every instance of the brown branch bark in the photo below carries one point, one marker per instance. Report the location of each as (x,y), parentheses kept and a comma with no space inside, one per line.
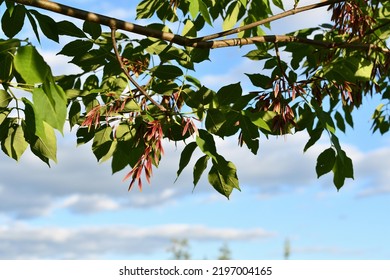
(198,42)
(265,21)
(287,39)
(113,23)
(142,30)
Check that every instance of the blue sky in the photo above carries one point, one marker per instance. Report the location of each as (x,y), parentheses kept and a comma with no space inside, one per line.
(77,210)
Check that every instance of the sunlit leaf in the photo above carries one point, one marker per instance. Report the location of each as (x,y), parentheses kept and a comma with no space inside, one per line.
(45,147)
(14,144)
(52,105)
(30,65)
(5,98)
(205,142)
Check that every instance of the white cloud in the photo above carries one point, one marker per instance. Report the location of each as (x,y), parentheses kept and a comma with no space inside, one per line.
(89,203)
(81,185)
(24,242)
(372,169)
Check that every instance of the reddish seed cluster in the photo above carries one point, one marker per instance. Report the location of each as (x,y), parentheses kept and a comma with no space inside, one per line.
(349,18)
(137,66)
(151,155)
(278,102)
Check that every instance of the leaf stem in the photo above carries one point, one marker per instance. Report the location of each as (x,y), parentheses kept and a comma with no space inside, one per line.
(123,67)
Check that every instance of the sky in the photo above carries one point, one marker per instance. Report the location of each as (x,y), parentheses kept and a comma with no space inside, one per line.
(78,210)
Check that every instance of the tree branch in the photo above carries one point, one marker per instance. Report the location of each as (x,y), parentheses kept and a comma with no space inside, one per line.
(142,30)
(139,88)
(184,41)
(287,39)
(265,21)
(104,20)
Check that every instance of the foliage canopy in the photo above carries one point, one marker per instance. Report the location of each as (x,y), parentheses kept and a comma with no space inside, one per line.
(132,93)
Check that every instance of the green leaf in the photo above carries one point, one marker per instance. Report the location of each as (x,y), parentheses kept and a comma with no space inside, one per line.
(194,8)
(5,98)
(15,144)
(4,124)
(9,44)
(51,104)
(45,147)
(6,69)
(76,48)
(258,55)
(167,72)
(146,8)
(84,135)
(325,162)
(12,22)
(260,119)
(189,28)
(124,155)
(205,142)
(31,66)
(349,69)
(199,55)
(124,132)
(3,116)
(33,25)
(204,12)
(249,134)
(348,116)
(229,94)
(102,142)
(34,124)
(214,121)
(199,167)
(110,152)
(203,96)
(91,60)
(342,169)
(70,29)
(47,25)
(74,113)
(364,70)
(260,80)
(93,29)
(279,3)
(231,16)
(223,176)
(315,135)
(340,121)
(185,157)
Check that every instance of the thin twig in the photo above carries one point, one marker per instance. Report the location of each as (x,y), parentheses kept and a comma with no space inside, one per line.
(265,21)
(288,39)
(124,69)
(280,62)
